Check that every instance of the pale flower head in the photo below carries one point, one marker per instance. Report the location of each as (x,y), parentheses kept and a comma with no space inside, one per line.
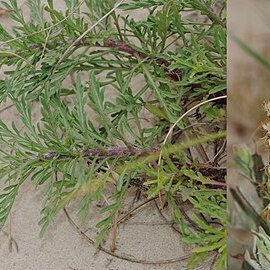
(266,107)
(266,127)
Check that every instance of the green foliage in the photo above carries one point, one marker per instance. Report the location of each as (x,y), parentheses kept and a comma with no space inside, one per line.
(253,53)
(261,252)
(208,204)
(93,133)
(254,170)
(252,167)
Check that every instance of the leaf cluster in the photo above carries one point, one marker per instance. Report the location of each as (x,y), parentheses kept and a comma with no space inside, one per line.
(180,60)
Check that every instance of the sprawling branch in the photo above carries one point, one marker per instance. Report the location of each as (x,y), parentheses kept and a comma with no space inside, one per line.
(216,174)
(125,47)
(106,152)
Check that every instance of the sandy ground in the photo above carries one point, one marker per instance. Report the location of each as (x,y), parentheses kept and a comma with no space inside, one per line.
(145,236)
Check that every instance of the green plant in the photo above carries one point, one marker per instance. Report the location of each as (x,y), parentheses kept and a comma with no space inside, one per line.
(257,215)
(254,216)
(261,259)
(93,134)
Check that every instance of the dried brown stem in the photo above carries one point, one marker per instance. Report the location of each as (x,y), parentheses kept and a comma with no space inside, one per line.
(129,258)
